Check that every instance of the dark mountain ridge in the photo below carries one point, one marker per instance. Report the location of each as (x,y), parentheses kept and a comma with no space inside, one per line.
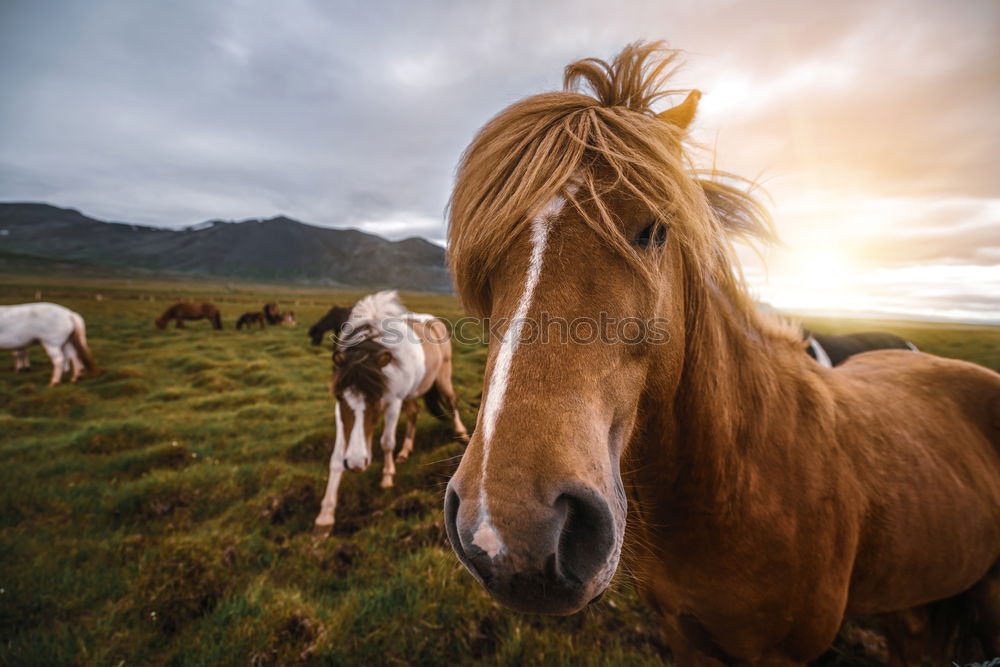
(278,249)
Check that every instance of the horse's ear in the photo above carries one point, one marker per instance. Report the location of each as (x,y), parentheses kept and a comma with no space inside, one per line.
(384,358)
(339,358)
(682,114)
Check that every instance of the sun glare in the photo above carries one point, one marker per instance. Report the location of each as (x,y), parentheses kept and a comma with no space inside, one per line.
(813,278)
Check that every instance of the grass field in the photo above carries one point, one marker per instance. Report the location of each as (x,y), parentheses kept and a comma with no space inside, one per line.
(162,513)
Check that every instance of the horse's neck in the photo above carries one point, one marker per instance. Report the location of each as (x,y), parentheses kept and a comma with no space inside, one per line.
(742,380)
(408,370)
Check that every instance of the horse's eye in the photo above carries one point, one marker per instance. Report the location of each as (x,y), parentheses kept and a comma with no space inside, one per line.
(654,234)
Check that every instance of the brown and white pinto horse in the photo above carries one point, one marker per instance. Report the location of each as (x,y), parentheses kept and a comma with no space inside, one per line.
(769,496)
(386,360)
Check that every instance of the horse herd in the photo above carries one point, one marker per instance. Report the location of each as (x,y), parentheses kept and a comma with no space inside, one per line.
(773,482)
(181,311)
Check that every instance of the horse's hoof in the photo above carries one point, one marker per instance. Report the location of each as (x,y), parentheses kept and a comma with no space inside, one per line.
(321,532)
(386,482)
(402,456)
(463,438)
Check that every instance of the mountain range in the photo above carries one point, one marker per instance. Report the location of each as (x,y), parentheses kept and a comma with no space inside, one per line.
(278,249)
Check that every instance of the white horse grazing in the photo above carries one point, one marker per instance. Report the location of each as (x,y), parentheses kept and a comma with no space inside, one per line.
(59,330)
(386,360)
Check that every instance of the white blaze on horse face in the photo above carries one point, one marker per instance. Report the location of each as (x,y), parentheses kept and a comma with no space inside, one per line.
(512,338)
(486,537)
(357,446)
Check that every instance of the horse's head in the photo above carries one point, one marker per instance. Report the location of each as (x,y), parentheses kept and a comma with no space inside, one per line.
(359,385)
(572,223)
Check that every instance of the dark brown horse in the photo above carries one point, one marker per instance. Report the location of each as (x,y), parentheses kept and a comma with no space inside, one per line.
(271,313)
(248,319)
(190,311)
(333,321)
(768,497)
(833,350)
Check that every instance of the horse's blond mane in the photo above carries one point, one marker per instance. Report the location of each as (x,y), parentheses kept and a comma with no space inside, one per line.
(610,139)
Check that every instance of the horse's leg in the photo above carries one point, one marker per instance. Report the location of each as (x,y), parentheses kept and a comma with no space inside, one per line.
(451,399)
(72,361)
(21,362)
(180,323)
(985,597)
(56,355)
(411,407)
(324,521)
(683,652)
(906,636)
(389,441)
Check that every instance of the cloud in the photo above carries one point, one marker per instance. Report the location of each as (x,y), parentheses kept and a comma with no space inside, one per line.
(354,114)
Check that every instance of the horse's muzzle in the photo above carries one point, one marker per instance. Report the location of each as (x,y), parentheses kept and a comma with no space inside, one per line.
(549,558)
(357,465)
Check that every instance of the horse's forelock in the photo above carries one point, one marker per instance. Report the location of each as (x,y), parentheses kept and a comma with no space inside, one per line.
(359,369)
(582,146)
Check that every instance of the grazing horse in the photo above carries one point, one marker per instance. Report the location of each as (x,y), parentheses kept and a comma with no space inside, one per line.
(190,311)
(333,321)
(389,359)
(271,313)
(60,331)
(249,319)
(767,497)
(832,350)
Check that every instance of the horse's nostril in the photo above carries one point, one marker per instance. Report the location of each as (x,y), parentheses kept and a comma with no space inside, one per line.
(587,536)
(451,504)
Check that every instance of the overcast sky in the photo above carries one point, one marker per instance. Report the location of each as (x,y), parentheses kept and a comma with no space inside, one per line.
(874,126)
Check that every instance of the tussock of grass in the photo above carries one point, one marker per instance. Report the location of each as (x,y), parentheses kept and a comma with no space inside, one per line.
(162,514)
(313,448)
(121,389)
(127,373)
(61,401)
(136,464)
(182,580)
(168,394)
(113,438)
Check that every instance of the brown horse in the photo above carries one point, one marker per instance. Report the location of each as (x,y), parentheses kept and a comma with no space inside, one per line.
(249,319)
(769,497)
(190,311)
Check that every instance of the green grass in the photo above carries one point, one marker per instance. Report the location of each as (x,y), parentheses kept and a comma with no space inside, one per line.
(162,513)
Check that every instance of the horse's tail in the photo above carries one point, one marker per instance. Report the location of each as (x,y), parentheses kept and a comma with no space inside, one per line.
(437,403)
(78,339)
(240,322)
(217,319)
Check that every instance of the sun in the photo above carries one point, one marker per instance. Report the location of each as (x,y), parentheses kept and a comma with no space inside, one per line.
(820,268)
(814,278)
